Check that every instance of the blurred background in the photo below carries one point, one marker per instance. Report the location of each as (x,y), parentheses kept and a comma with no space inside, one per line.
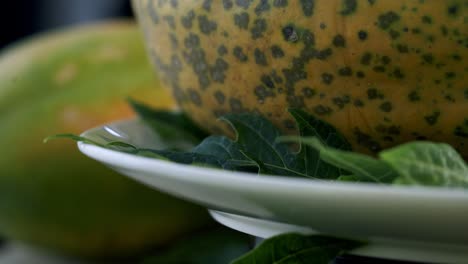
(21,18)
(60,216)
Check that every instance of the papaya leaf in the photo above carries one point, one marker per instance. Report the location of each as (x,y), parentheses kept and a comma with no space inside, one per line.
(364,168)
(309,126)
(429,164)
(169,125)
(74,138)
(256,139)
(256,136)
(308,158)
(219,246)
(298,249)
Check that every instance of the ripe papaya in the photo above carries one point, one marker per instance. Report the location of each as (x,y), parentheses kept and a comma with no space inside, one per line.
(53,197)
(382,72)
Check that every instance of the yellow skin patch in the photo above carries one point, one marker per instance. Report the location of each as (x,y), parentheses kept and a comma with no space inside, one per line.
(382,72)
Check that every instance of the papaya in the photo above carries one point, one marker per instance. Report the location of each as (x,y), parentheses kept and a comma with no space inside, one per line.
(53,197)
(382,72)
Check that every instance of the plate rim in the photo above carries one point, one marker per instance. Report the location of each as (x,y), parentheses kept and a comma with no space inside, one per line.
(140,163)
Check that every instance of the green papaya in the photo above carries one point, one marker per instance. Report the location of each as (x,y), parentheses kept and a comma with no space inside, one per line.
(53,197)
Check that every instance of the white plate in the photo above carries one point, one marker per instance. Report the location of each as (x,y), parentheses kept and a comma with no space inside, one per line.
(415,217)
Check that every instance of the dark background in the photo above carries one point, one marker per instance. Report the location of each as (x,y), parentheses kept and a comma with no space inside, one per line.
(21,18)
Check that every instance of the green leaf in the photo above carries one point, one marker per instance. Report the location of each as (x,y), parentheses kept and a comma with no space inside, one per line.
(216,247)
(228,152)
(298,249)
(256,138)
(171,126)
(309,126)
(72,137)
(430,164)
(308,158)
(364,168)
(219,146)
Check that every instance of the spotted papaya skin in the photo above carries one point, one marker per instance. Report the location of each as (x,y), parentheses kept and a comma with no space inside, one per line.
(382,72)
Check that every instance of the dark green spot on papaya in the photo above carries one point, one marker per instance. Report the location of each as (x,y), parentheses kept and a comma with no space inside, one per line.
(267,81)
(339,41)
(459,131)
(220,97)
(170,21)
(324,54)
(295,101)
(195,97)
(242,20)
(207,5)
(218,70)
(308,38)
(239,54)
(222,50)
(260,57)
(259,28)
(236,105)
(402,48)
(263,6)
(154,15)
(450,75)
(308,7)
(394,34)
(244,3)
(449,98)
(426,19)
(397,73)
(192,41)
(341,102)
(414,96)
(453,10)
(358,103)
(345,71)
(322,110)
(432,118)
(444,30)
(348,7)
(327,78)
(174,41)
(373,93)
(362,35)
(366,58)
(227,4)
(386,20)
(174,3)
(206,26)
(366,141)
(277,51)
(386,107)
(428,58)
(379,68)
(416,31)
(290,34)
(261,92)
(280,3)
(456,57)
(308,92)
(187,20)
(385,60)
